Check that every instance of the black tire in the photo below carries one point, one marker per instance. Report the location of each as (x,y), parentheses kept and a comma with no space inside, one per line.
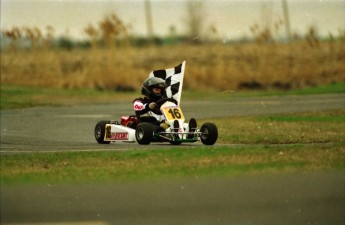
(144,133)
(209,133)
(100,132)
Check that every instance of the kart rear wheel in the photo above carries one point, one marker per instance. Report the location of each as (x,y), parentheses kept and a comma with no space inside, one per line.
(144,133)
(100,132)
(209,133)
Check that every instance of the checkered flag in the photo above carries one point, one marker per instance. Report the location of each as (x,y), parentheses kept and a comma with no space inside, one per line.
(173,79)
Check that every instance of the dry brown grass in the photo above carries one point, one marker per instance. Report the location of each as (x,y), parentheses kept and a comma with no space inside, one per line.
(213,66)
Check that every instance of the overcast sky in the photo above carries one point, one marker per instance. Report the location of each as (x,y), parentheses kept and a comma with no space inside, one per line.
(232,18)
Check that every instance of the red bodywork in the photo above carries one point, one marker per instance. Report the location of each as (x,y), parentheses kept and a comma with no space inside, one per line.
(129,120)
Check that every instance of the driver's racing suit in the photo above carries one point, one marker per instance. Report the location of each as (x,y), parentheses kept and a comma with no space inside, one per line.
(144,113)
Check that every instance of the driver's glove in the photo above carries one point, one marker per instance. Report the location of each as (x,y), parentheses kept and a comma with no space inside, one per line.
(152,105)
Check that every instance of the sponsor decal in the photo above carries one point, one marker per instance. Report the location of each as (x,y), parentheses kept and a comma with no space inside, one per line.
(119,136)
(138,106)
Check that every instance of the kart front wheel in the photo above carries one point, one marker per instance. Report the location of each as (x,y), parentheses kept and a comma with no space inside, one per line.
(100,132)
(144,133)
(209,133)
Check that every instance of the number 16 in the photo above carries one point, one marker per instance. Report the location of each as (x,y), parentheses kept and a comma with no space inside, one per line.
(175,113)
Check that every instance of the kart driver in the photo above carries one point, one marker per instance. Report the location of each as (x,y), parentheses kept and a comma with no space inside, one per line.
(146,109)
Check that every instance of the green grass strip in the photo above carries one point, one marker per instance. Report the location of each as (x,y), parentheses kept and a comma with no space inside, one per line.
(13,96)
(287,118)
(115,166)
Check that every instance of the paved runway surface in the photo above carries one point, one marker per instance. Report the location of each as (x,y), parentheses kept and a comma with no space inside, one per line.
(311,198)
(298,199)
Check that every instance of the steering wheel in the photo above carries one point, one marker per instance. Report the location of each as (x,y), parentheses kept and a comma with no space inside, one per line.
(160,102)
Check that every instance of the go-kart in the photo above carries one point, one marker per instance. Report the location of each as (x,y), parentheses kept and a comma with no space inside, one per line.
(129,129)
(175,131)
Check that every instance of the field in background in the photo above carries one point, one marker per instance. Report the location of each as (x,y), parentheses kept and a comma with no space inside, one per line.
(290,142)
(218,67)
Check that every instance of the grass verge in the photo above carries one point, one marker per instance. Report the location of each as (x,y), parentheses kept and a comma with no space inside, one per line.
(91,167)
(21,97)
(308,127)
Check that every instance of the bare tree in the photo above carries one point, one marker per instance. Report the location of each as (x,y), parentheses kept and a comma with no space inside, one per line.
(93,34)
(287,19)
(111,28)
(195,17)
(149,23)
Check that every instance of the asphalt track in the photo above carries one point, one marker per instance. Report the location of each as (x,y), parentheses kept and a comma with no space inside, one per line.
(310,198)
(282,199)
(71,127)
